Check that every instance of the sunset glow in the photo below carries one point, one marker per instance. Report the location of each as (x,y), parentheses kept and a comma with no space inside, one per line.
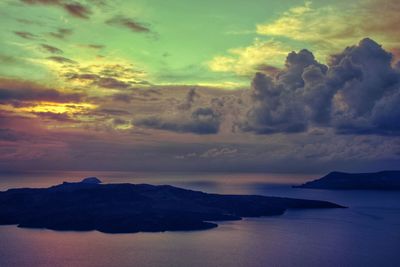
(169,82)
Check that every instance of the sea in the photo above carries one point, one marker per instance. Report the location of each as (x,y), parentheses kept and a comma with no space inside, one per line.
(367,233)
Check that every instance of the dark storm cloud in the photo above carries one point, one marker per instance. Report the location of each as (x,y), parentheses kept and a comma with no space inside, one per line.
(62,60)
(26,35)
(277,102)
(357,93)
(73,8)
(201,121)
(51,49)
(130,24)
(14,91)
(367,89)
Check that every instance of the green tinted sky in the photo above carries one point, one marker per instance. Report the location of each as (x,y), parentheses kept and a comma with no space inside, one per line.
(183,37)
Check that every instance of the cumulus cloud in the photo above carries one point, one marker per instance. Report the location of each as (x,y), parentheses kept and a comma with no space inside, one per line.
(357,92)
(277,102)
(317,28)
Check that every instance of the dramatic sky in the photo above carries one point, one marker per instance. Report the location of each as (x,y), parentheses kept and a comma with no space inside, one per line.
(258,85)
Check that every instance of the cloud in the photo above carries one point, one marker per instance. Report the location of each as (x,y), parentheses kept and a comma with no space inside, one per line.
(219,152)
(104,138)
(62,60)
(328,28)
(61,33)
(105,82)
(16,90)
(126,98)
(212,153)
(202,121)
(73,8)
(324,29)
(294,23)
(189,100)
(60,117)
(130,24)
(51,49)
(26,35)
(246,60)
(109,111)
(77,10)
(356,93)
(268,69)
(102,73)
(112,83)
(95,46)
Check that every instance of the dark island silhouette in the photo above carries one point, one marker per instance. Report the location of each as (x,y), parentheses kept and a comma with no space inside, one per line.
(384,180)
(130,208)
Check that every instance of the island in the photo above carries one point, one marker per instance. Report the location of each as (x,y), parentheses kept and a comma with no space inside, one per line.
(383,180)
(129,208)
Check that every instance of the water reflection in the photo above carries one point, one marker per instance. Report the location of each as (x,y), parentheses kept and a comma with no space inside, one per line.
(366,234)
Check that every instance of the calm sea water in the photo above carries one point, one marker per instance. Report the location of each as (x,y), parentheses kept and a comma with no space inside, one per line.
(366,234)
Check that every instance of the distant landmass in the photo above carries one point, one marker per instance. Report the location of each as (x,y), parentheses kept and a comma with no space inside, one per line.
(130,208)
(384,180)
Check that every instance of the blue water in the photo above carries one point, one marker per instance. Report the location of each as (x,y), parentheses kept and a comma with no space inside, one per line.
(365,234)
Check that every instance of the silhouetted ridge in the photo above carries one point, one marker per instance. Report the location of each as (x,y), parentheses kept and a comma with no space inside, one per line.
(383,180)
(128,208)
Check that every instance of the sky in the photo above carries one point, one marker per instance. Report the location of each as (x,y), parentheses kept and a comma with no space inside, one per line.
(256,86)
